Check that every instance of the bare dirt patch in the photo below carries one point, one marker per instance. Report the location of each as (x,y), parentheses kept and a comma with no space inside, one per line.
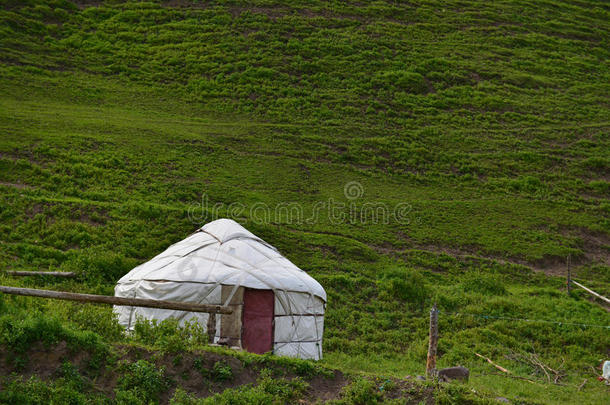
(595,244)
(82,4)
(326,389)
(19,186)
(42,361)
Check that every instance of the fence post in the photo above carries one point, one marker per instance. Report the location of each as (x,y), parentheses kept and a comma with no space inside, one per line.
(211,327)
(432,343)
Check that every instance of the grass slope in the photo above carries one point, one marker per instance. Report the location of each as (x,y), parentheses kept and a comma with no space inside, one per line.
(480,130)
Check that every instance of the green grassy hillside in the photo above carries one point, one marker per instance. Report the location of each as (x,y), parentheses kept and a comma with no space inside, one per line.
(402,153)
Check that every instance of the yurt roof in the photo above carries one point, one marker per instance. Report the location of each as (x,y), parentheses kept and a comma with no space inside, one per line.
(224,252)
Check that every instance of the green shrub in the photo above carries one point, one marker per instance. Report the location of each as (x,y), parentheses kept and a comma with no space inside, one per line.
(168,335)
(144,378)
(37,392)
(129,397)
(221,371)
(71,375)
(454,394)
(98,319)
(21,334)
(360,392)
(181,397)
(287,390)
(199,366)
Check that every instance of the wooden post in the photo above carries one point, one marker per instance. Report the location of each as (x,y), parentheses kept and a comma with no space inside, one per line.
(67,274)
(104,299)
(211,327)
(432,343)
(569,276)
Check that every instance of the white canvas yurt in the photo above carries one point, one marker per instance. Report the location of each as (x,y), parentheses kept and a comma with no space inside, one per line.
(276,306)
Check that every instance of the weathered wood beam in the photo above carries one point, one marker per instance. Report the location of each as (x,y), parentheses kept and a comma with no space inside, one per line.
(494,364)
(20,273)
(601,297)
(104,299)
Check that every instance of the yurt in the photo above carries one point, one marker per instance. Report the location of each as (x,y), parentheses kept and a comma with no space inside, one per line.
(277,307)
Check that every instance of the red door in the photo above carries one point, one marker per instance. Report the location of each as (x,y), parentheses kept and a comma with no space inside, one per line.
(257,321)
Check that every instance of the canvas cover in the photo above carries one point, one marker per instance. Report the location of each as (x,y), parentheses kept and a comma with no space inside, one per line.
(213,266)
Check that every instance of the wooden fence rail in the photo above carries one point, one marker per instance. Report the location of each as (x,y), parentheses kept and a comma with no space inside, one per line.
(20,273)
(601,297)
(104,299)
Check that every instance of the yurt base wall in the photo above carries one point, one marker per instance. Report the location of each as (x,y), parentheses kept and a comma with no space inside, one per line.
(299,325)
(291,325)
